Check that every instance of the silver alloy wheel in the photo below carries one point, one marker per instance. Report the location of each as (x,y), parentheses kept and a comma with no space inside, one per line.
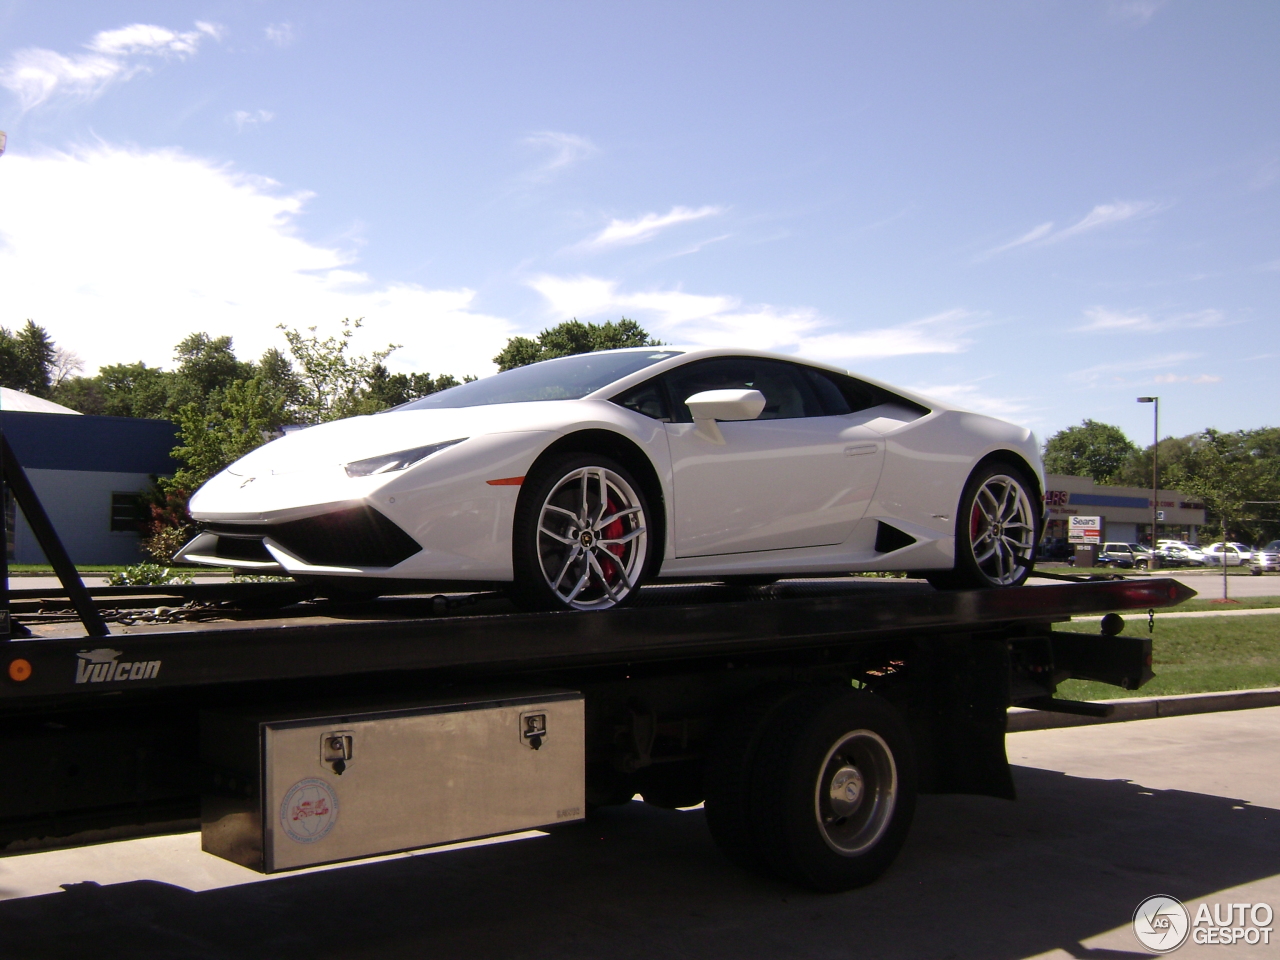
(856,792)
(592,540)
(1002,530)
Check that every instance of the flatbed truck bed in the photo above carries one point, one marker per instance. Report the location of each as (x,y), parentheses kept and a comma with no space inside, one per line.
(694,692)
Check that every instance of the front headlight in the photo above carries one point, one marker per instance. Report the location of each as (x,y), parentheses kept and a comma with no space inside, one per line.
(391,462)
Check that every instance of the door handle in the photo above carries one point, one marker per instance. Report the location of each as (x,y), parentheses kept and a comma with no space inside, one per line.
(860,449)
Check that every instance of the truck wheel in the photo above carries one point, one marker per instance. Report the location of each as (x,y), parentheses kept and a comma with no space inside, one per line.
(815,786)
(727,786)
(834,783)
(580,539)
(996,531)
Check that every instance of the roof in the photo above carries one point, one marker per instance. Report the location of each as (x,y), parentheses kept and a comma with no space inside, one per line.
(51,441)
(17,400)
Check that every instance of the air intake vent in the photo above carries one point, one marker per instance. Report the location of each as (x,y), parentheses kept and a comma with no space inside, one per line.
(243,548)
(357,537)
(889,539)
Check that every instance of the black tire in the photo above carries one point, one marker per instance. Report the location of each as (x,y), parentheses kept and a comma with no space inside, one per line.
(993,554)
(834,783)
(580,550)
(727,791)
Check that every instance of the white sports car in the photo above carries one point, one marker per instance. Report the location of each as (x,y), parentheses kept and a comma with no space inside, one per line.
(572,481)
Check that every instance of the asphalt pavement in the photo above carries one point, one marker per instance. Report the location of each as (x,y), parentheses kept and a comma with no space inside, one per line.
(1107,816)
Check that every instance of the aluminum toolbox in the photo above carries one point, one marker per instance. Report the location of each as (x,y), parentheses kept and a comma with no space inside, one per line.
(303,788)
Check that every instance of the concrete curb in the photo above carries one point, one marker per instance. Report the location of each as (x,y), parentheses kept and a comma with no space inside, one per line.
(1147,708)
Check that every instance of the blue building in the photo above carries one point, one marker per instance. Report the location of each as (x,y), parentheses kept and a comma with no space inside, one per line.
(88,472)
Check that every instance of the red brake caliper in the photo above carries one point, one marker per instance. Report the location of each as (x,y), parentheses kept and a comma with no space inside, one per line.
(612,532)
(975,521)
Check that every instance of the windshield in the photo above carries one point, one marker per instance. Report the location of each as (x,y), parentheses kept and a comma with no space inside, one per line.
(565,378)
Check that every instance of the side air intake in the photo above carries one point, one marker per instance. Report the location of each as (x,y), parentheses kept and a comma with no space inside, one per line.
(889,539)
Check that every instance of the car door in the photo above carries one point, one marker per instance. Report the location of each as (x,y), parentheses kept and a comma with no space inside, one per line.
(800,475)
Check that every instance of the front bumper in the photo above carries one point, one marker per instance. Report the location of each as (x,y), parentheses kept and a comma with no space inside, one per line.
(344,540)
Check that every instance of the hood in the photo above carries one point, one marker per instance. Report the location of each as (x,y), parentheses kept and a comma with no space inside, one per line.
(357,438)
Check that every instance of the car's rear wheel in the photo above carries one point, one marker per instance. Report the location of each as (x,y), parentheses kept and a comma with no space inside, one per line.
(581,536)
(997,529)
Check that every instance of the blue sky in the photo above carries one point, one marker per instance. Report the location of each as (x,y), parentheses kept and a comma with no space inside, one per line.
(1035,209)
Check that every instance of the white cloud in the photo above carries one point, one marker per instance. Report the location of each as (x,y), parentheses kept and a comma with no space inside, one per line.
(563,149)
(719,320)
(1104,214)
(1200,378)
(1031,236)
(1105,320)
(250,118)
(36,75)
(281,34)
(970,395)
(1119,371)
(121,253)
(649,226)
(1135,11)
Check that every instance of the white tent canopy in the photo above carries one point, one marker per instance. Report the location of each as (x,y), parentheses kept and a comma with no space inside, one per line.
(17,400)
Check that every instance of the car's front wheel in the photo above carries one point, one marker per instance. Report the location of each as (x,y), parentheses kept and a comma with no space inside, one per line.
(581,535)
(996,531)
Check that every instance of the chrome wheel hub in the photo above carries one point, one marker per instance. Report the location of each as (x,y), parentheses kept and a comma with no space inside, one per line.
(592,541)
(856,793)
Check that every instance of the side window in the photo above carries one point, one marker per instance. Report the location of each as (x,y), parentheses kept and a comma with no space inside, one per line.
(859,395)
(647,399)
(126,512)
(834,403)
(787,394)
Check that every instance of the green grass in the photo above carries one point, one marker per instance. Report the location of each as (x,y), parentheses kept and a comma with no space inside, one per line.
(1203,602)
(44,570)
(1199,655)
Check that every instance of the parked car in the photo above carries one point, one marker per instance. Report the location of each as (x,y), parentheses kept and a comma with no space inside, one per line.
(1175,553)
(1233,554)
(1055,549)
(572,481)
(1126,556)
(1265,559)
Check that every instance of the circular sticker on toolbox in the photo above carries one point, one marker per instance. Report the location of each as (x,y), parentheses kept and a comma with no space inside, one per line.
(309,810)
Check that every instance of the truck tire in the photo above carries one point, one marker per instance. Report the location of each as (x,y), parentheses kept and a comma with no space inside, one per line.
(727,786)
(833,790)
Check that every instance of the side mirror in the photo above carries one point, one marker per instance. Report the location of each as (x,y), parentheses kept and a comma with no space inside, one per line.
(726,404)
(712,405)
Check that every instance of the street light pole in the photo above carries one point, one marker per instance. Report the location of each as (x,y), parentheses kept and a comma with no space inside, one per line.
(1154,562)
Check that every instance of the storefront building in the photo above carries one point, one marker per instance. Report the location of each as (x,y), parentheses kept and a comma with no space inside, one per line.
(1125,511)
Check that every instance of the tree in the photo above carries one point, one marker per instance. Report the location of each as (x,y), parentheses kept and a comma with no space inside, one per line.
(207,366)
(1235,474)
(330,381)
(134,390)
(385,390)
(27,359)
(1093,449)
(573,337)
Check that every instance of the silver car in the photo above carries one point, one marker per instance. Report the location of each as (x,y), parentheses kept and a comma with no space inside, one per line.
(1265,559)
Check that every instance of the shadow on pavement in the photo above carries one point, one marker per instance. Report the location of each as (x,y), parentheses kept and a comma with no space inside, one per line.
(979,878)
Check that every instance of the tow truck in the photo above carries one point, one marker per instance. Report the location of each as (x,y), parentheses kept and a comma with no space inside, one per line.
(294,730)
